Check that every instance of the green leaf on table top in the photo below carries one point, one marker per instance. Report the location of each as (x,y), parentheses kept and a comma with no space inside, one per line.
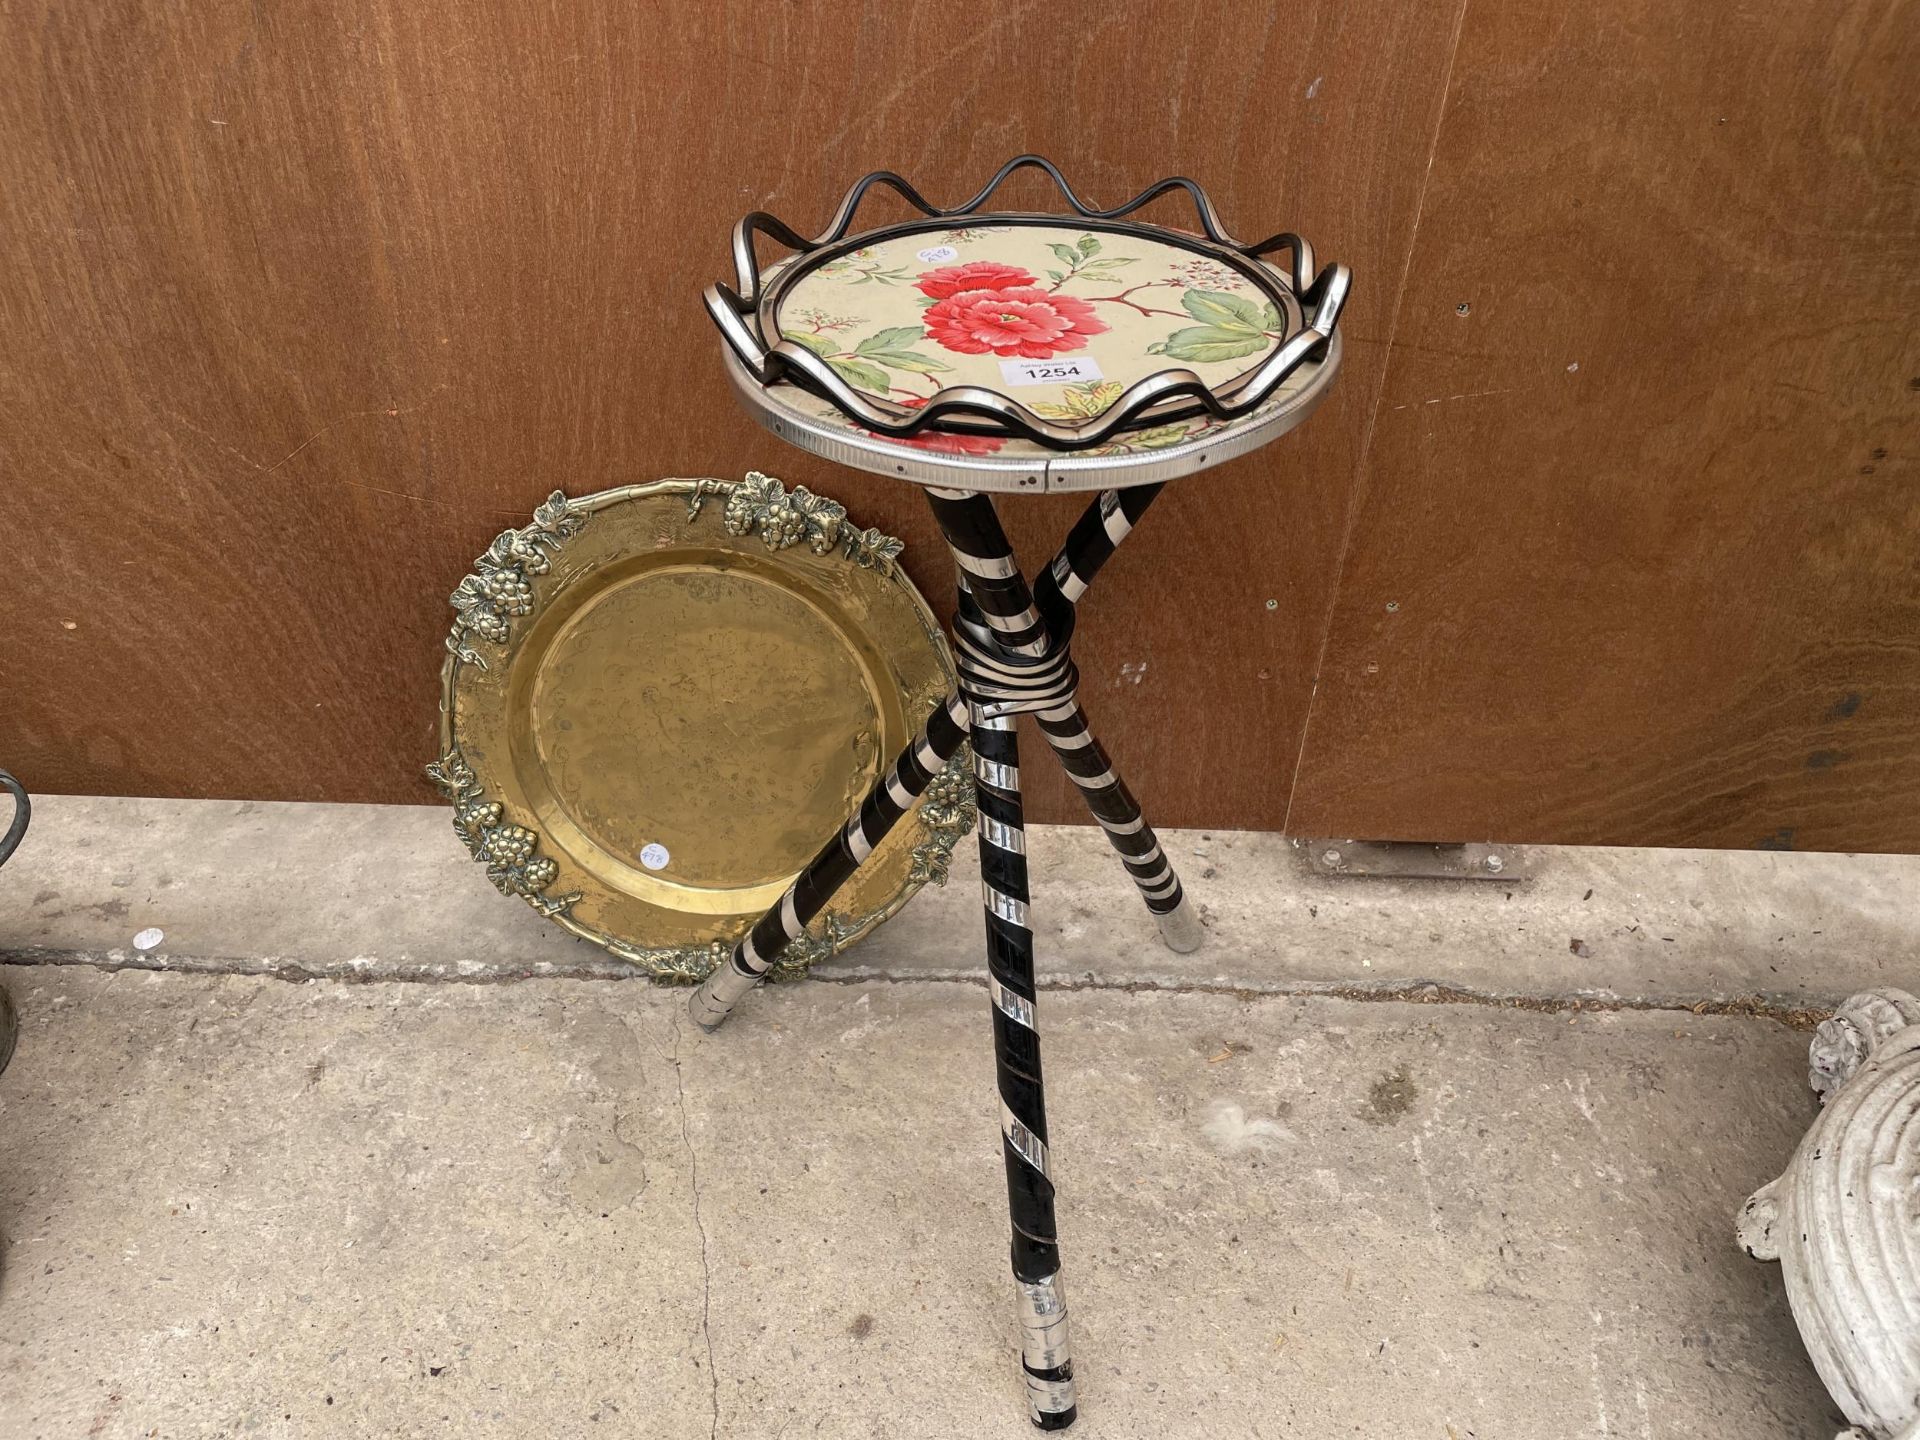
(818,344)
(861,375)
(907,360)
(1081,402)
(1069,257)
(895,337)
(1089,245)
(1203,344)
(1229,312)
(1159,437)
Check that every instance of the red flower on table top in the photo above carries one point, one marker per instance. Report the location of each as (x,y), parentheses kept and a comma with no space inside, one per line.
(1033,324)
(950,280)
(943,442)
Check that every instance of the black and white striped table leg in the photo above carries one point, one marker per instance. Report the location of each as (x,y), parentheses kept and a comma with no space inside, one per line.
(1046,1357)
(1113,805)
(889,799)
(1056,594)
(1105,522)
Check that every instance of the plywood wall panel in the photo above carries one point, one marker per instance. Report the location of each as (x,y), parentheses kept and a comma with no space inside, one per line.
(1636,555)
(302,303)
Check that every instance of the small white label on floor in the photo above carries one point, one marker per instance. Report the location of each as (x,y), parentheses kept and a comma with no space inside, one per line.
(1050,372)
(654,857)
(935,254)
(149,939)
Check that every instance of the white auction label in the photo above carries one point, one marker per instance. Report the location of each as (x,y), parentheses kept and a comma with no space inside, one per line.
(654,856)
(936,254)
(1050,372)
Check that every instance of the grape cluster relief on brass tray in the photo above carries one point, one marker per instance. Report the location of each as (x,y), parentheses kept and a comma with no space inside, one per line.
(761,505)
(510,852)
(497,593)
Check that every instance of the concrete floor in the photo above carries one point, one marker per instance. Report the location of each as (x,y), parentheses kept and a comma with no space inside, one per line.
(277,1204)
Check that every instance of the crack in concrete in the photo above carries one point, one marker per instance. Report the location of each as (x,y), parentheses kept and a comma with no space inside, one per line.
(706,1263)
(1795,1014)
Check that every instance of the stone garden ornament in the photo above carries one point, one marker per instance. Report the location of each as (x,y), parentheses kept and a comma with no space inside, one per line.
(1844,1220)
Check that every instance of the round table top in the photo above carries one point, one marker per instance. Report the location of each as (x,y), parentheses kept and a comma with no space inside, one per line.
(1059,314)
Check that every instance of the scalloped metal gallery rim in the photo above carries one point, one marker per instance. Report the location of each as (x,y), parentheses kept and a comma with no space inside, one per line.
(1305,307)
(658,701)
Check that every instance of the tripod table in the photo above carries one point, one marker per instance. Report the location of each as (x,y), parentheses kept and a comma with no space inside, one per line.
(977,353)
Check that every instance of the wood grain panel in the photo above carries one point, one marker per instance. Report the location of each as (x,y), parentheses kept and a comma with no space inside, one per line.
(1637,554)
(303,302)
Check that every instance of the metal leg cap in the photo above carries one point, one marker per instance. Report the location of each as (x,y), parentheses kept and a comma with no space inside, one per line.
(1181,929)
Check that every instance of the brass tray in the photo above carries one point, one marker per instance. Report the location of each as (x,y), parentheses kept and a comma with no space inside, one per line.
(660,701)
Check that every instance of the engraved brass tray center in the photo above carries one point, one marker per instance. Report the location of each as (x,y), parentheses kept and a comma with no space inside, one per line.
(714,715)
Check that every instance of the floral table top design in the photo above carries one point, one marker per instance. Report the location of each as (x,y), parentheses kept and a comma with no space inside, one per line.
(1063,316)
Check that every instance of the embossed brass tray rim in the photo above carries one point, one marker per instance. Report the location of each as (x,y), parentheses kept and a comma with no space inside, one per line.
(510,845)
